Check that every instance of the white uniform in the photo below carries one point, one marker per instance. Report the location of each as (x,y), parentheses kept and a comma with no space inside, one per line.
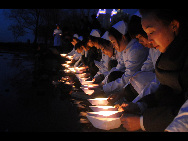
(120,66)
(180,122)
(57,37)
(102,65)
(134,56)
(145,81)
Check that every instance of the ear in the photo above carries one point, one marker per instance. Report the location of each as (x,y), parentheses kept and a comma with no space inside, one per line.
(175,26)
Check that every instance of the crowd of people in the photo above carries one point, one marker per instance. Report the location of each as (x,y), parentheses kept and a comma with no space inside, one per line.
(141,65)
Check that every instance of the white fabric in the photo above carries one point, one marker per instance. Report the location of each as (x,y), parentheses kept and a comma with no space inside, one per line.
(145,82)
(180,122)
(75,36)
(134,55)
(106,36)
(95,33)
(118,57)
(121,26)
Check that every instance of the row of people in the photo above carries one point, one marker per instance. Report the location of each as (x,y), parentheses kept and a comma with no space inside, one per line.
(141,66)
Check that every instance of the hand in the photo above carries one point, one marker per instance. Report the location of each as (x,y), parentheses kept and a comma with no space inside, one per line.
(98,93)
(129,107)
(130,121)
(113,98)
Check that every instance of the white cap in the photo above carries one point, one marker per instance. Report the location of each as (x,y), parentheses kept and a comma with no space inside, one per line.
(75,36)
(121,26)
(105,36)
(95,33)
(80,38)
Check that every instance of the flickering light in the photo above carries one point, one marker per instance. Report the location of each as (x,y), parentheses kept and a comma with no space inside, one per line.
(63,55)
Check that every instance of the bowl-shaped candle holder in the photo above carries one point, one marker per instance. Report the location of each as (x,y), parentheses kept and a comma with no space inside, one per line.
(98,101)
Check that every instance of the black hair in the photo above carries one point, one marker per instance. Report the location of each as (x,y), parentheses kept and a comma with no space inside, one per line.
(168,15)
(79,45)
(135,27)
(104,42)
(93,39)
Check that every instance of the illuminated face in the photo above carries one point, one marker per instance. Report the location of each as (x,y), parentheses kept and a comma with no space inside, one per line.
(142,40)
(93,44)
(122,44)
(114,43)
(108,50)
(159,35)
(79,50)
(74,42)
(90,43)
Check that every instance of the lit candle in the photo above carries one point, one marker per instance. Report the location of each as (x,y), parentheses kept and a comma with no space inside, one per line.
(98,101)
(63,55)
(106,114)
(103,108)
(87,91)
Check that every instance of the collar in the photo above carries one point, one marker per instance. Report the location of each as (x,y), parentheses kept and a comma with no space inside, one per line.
(130,44)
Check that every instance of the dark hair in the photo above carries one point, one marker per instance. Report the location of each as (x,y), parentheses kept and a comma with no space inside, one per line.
(104,42)
(93,39)
(168,15)
(135,27)
(117,35)
(78,45)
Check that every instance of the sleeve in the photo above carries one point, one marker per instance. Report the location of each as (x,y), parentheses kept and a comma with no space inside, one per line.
(135,60)
(148,64)
(180,122)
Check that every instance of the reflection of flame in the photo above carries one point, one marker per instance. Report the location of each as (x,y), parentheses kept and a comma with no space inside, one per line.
(107,113)
(100,98)
(105,107)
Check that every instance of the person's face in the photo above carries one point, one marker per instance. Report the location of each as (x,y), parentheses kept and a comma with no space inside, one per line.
(159,34)
(93,44)
(90,43)
(114,42)
(79,50)
(142,40)
(107,50)
(74,42)
(58,27)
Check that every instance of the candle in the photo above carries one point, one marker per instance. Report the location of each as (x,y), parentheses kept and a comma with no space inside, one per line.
(103,108)
(68,62)
(87,91)
(63,55)
(98,101)
(105,114)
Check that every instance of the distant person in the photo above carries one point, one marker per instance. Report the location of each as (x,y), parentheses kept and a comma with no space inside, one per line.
(57,36)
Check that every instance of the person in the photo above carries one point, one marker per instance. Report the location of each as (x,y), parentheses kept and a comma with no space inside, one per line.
(143,79)
(167,31)
(103,65)
(73,42)
(57,36)
(134,54)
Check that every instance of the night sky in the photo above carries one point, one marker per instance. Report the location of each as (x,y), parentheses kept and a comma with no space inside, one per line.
(6,35)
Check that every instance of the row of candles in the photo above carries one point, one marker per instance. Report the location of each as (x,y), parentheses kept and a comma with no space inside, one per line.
(102,114)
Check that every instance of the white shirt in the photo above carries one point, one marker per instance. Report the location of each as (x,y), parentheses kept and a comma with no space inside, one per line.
(145,81)
(102,65)
(134,56)
(118,56)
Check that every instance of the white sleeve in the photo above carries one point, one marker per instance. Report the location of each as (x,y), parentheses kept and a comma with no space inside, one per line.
(133,64)
(180,122)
